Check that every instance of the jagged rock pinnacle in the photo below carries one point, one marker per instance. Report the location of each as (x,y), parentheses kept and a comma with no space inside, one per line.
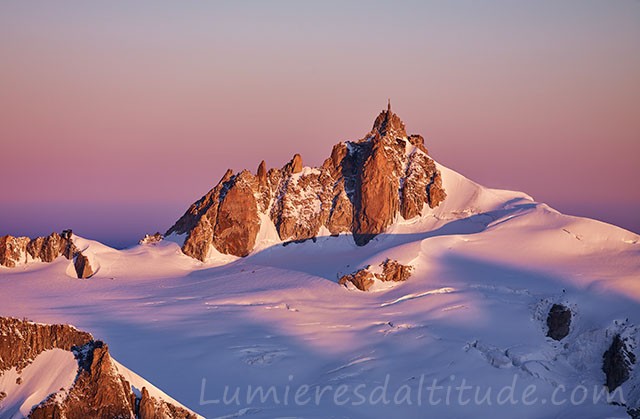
(261,174)
(360,189)
(388,124)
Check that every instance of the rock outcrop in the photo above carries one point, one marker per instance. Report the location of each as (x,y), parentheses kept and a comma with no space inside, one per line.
(558,322)
(394,271)
(16,250)
(152,408)
(363,279)
(13,250)
(617,363)
(151,239)
(237,223)
(391,270)
(21,341)
(98,391)
(361,189)
(48,248)
(82,266)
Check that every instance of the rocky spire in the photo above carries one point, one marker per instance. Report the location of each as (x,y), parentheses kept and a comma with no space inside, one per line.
(261,174)
(388,124)
(360,189)
(295,165)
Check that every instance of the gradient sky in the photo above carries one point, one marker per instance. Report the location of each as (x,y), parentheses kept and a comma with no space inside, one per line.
(115,116)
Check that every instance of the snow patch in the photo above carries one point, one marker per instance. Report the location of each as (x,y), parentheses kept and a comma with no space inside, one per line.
(51,371)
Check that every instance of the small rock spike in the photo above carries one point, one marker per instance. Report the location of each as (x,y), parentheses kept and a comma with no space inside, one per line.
(389,106)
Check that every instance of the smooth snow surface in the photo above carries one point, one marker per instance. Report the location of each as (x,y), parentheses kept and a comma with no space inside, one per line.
(49,372)
(488,266)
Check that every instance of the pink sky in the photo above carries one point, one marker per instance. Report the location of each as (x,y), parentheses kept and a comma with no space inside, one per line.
(115,117)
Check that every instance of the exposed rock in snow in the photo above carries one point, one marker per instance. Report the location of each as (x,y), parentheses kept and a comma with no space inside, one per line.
(83,266)
(364,279)
(361,189)
(558,321)
(394,271)
(16,250)
(151,239)
(617,363)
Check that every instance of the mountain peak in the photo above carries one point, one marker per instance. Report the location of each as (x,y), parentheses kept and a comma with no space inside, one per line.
(388,124)
(361,189)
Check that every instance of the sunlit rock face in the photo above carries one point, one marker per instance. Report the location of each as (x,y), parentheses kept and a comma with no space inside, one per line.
(99,390)
(362,188)
(17,250)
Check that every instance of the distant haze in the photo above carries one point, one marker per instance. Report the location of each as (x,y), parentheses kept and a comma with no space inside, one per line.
(116,116)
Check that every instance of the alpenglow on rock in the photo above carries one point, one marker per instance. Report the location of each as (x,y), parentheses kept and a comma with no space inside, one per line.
(360,189)
(99,390)
(18,250)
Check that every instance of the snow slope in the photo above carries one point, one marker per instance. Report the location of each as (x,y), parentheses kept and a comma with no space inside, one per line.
(488,266)
(51,371)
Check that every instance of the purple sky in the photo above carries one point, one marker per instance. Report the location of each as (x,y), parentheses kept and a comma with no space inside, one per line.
(115,116)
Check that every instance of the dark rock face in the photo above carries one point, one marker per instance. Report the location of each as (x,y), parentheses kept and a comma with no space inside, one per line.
(363,279)
(70,250)
(98,390)
(83,267)
(558,322)
(617,363)
(361,189)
